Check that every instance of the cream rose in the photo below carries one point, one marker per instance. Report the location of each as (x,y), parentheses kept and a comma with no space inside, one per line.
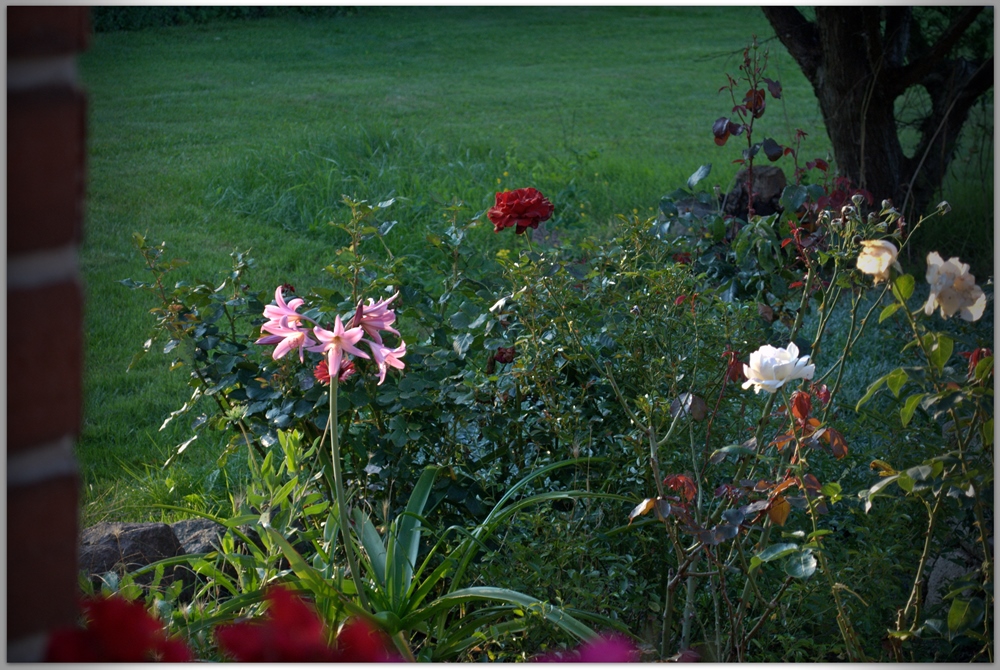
(877,257)
(770,367)
(953,289)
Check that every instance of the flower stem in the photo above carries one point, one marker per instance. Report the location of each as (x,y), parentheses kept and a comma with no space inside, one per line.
(338,482)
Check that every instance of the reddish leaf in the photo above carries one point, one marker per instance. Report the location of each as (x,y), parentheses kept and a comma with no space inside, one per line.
(721,130)
(838,445)
(774,88)
(683,485)
(782,440)
(801,405)
(810,482)
(754,102)
(778,510)
(772,149)
(789,481)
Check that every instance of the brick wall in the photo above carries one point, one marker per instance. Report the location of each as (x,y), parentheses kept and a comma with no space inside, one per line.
(46,124)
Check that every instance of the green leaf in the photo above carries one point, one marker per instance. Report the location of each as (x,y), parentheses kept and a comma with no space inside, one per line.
(872,389)
(698,175)
(777,551)
(801,565)
(895,380)
(964,614)
(889,311)
(909,407)
(902,287)
(793,197)
(461,344)
(941,351)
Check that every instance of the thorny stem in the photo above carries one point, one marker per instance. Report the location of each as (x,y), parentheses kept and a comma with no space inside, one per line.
(914,602)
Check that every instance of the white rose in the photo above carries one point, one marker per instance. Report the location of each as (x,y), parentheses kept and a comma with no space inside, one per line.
(770,367)
(877,257)
(953,289)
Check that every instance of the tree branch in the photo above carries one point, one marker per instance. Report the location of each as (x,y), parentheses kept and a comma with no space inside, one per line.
(799,36)
(897,35)
(918,69)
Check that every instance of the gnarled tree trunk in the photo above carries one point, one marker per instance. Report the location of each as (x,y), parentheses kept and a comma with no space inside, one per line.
(859,60)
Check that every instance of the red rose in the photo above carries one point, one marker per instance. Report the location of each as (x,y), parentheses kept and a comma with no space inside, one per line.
(523,208)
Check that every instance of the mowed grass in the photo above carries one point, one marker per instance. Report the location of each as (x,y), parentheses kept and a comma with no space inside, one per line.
(245,135)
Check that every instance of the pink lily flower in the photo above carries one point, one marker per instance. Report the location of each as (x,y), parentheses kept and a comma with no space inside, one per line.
(334,343)
(386,358)
(275,312)
(287,337)
(374,317)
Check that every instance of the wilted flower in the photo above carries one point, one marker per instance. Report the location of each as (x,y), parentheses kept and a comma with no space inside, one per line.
(322,371)
(374,317)
(877,257)
(117,631)
(521,208)
(953,289)
(770,367)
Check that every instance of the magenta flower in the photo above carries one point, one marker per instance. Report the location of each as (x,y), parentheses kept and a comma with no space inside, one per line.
(608,648)
(386,358)
(287,337)
(334,343)
(374,317)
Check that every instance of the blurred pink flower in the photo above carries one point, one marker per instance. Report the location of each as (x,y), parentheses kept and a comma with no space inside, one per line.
(117,631)
(293,632)
(608,648)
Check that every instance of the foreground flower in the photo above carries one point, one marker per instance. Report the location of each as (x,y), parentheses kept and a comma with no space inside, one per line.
(770,367)
(953,289)
(877,257)
(334,343)
(522,209)
(603,649)
(117,631)
(293,632)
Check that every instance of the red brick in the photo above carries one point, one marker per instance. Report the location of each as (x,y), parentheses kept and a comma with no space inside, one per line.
(45,168)
(46,31)
(45,364)
(42,535)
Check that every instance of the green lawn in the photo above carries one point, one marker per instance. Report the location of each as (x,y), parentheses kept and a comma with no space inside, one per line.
(244,135)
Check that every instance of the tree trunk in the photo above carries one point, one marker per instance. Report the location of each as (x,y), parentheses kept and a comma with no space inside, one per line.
(859,60)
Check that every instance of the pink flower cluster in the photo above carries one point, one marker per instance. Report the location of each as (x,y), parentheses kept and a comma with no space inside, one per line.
(286,329)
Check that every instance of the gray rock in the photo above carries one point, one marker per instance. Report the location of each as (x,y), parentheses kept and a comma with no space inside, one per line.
(768,183)
(125,547)
(198,536)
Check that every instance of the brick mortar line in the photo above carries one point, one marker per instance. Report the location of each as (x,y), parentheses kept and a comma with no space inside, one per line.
(45,462)
(29,73)
(43,268)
